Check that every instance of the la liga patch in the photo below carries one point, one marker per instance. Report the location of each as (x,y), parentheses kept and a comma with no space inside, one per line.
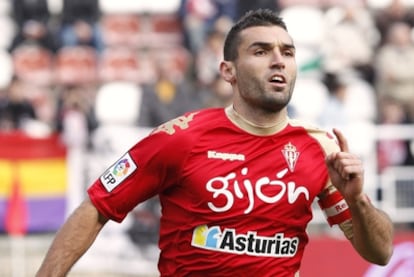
(118,172)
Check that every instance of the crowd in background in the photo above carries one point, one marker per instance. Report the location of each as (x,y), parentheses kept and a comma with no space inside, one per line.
(356,63)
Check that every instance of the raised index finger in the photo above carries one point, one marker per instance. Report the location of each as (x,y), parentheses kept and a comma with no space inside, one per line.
(343,143)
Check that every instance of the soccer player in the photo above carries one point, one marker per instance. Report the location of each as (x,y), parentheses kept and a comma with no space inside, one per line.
(236,185)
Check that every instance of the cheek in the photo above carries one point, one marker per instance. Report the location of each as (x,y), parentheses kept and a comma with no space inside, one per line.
(292,69)
(246,73)
(246,81)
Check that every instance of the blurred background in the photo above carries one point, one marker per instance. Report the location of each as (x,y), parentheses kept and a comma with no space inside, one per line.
(82,80)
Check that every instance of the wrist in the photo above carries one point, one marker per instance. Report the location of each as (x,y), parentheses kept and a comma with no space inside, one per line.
(361,199)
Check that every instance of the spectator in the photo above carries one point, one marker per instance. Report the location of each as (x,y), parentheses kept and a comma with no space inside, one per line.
(35,33)
(167,98)
(334,113)
(32,18)
(80,24)
(26,10)
(392,152)
(15,108)
(209,57)
(198,18)
(354,24)
(75,111)
(394,67)
(396,11)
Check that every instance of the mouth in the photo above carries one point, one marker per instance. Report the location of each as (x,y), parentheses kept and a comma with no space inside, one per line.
(278,80)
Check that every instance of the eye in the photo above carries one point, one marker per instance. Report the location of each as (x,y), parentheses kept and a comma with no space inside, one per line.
(289,53)
(259,52)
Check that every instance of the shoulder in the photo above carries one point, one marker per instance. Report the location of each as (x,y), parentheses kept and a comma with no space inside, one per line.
(169,145)
(190,122)
(324,138)
(188,127)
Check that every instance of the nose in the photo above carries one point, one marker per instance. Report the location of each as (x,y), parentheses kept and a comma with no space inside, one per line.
(277,59)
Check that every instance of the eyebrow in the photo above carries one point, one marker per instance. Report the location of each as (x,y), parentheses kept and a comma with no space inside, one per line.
(269,45)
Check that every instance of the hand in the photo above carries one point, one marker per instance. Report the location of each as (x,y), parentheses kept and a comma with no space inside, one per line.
(346,171)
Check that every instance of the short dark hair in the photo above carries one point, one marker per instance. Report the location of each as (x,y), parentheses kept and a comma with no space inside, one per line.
(253,18)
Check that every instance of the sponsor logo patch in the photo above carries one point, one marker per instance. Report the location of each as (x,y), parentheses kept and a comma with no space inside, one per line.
(118,172)
(213,238)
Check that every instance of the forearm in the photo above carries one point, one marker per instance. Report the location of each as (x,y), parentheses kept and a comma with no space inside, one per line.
(72,241)
(372,232)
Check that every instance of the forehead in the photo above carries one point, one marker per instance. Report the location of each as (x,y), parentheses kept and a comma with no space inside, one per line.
(268,34)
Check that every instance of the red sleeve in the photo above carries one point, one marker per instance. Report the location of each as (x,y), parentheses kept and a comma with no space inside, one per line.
(149,167)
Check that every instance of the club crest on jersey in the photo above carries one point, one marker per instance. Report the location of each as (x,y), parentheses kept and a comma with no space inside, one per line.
(118,172)
(291,155)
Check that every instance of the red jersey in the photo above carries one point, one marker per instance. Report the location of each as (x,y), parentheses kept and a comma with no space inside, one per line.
(233,202)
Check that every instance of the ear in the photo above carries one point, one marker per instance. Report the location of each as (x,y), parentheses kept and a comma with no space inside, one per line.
(227,71)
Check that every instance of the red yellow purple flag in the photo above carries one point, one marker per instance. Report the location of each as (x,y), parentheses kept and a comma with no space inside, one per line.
(32,183)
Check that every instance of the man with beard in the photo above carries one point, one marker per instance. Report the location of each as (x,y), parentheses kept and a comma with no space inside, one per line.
(236,184)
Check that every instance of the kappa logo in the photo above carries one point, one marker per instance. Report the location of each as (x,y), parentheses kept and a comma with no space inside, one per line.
(118,172)
(225,156)
(213,238)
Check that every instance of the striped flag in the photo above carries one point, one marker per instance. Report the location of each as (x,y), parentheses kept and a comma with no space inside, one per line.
(32,183)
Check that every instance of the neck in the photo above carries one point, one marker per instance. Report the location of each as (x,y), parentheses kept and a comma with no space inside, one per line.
(254,127)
